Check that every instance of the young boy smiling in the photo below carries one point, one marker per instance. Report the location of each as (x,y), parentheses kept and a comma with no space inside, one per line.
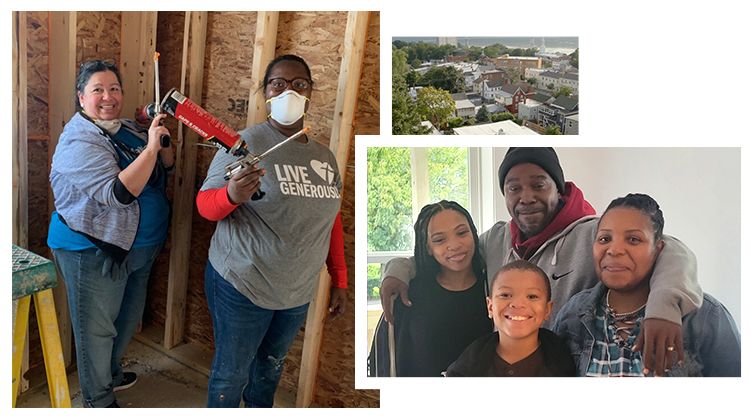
(518,303)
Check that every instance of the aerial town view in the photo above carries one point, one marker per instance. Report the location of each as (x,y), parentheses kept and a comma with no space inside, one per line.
(471,85)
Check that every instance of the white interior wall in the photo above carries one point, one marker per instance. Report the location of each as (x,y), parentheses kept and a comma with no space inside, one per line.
(698,190)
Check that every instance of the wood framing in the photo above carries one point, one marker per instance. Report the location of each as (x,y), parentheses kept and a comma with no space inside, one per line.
(264,51)
(138,43)
(62,58)
(341,134)
(184,196)
(20,162)
(20,134)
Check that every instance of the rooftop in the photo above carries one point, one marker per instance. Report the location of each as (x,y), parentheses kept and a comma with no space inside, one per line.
(496,128)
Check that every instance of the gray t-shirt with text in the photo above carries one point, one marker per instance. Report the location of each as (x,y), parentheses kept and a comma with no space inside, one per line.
(272,250)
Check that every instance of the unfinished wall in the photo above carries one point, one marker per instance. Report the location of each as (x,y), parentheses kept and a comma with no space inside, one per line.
(316,36)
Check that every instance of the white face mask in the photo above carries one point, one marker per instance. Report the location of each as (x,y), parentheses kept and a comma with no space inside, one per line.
(288,107)
(111,126)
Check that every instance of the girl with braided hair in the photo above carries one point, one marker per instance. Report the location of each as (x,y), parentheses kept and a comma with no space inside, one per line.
(449,292)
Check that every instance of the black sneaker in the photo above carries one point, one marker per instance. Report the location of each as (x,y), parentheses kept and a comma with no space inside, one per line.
(128,379)
(113,405)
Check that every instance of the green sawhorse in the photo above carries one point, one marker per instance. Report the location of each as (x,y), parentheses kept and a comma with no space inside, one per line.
(36,276)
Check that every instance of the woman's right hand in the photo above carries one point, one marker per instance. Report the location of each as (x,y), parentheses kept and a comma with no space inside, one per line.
(244,184)
(155,131)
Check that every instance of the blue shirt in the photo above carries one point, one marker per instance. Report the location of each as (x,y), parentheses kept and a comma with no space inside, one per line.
(154,214)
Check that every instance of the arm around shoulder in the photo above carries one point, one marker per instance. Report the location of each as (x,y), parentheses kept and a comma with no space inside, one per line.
(675,291)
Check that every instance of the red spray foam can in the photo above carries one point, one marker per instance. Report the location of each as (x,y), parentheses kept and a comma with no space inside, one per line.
(202,122)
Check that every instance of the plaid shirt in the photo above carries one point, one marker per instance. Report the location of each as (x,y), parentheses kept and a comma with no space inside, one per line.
(611,356)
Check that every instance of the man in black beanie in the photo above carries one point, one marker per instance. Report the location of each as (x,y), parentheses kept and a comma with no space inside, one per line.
(553,226)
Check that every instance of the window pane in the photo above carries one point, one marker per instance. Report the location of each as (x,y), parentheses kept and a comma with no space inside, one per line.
(448,169)
(373,301)
(389,193)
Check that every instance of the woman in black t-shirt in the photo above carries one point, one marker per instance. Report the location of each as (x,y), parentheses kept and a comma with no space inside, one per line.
(448,295)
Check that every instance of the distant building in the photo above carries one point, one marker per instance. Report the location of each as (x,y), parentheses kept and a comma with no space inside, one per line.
(529,110)
(512,95)
(571,125)
(520,63)
(491,89)
(506,127)
(555,112)
(447,41)
(558,80)
(533,73)
(465,109)
(432,130)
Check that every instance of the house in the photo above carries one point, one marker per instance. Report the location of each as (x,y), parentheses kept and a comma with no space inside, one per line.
(490,89)
(494,108)
(555,112)
(465,109)
(431,128)
(520,63)
(529,110)
(571,125)
(506,127)
(558,80)
(533,74)
(490,75)
(511,96)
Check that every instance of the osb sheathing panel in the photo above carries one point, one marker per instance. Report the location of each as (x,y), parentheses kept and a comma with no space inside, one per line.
(98,37)
(38,74)
(367,117)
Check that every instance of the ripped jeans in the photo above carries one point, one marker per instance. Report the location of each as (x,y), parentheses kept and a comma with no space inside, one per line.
(251,344)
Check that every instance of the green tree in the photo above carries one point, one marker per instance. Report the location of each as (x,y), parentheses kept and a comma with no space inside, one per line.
(474,53)
(552,130)
(494,50)
(373,281)
(444,77)
(483,115)
(532,81)
(413,79)
(455,122)
(405,119)
(415,63)
(398,44)
(501,116)
(435,105)
(550,86)
(448,173)
(389,197)
(399,66)
(563,91)
(574,58)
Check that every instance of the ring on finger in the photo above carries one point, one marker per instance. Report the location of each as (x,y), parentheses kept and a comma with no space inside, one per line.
(670,348)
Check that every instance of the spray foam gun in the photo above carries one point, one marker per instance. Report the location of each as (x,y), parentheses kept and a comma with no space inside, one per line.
(214,130)
(154,109)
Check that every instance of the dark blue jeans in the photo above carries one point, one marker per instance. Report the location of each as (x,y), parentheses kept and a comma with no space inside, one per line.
(106,303)
(251,345)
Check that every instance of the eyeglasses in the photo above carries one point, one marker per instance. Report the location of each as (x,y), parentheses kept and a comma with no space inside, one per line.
(299,84)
